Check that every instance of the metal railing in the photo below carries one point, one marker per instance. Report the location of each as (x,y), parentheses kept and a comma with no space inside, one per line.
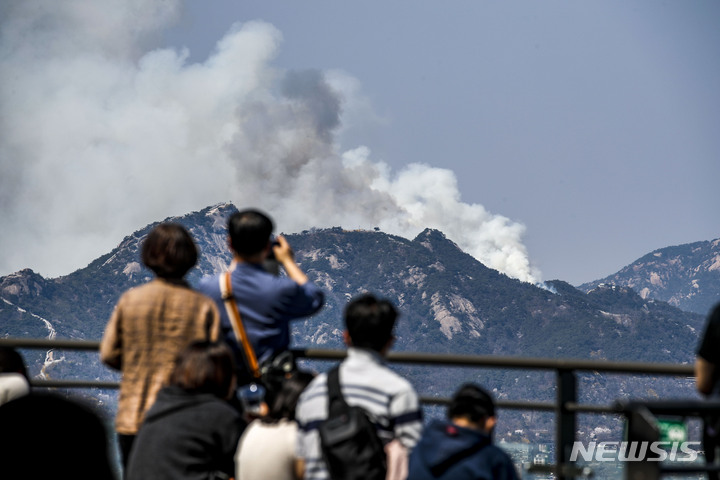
(565,407)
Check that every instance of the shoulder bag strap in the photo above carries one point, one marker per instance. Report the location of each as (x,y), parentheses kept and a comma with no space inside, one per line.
(237,324)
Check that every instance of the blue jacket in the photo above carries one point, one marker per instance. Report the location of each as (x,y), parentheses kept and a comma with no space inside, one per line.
(441,440)
(267,304)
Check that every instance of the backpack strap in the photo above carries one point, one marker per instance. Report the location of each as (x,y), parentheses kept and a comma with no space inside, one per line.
(336,401)
(237,324)
(445,465)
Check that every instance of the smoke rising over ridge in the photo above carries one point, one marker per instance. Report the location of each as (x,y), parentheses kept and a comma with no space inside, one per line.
(101,134)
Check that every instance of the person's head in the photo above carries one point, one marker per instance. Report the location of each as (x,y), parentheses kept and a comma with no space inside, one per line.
(169,251)
(474,405)
(249,232)
(285,401)
(12,362)
(82,450)
(205,367)
(369,322)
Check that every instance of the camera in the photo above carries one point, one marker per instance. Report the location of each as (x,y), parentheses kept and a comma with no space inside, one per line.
(273,243)
(270,264)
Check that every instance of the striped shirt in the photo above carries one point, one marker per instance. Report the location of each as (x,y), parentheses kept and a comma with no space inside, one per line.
(365,381)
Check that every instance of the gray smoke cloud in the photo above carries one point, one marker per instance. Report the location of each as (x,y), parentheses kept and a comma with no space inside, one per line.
(101,134)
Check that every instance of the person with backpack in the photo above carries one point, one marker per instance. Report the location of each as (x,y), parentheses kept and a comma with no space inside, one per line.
(461,447)
(334,440)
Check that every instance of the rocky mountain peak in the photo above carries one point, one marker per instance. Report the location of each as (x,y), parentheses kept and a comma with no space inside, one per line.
(431,238)
(23,282)
(686,276)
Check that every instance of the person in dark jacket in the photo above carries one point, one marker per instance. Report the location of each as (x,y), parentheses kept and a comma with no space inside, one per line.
(707,381)
(45,435)
(191,432)
(462,448)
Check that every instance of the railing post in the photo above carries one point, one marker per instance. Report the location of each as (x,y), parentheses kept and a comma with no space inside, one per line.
(642,428)
(565,423)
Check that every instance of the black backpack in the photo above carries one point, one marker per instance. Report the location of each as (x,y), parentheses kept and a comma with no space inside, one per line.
(350,445)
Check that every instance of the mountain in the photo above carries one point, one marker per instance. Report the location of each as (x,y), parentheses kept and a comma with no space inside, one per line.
(449,303)
(686,276)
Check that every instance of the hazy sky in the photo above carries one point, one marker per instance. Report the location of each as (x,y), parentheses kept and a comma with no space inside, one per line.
(550,139)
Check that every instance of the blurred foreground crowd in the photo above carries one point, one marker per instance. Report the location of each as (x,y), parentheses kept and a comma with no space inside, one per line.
(210,388)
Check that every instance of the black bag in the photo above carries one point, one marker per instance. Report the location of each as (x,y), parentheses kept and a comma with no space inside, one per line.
(350,445)
(274,372)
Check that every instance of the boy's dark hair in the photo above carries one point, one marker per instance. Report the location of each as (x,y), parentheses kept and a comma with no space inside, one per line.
(473,402)
(370,321)
(285,401)
(204,367)
(169,251)
(249,231)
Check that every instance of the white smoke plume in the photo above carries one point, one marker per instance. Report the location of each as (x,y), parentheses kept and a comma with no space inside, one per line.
(101,134)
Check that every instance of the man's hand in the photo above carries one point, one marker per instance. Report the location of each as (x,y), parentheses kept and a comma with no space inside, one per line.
(285,257)
(282,250)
